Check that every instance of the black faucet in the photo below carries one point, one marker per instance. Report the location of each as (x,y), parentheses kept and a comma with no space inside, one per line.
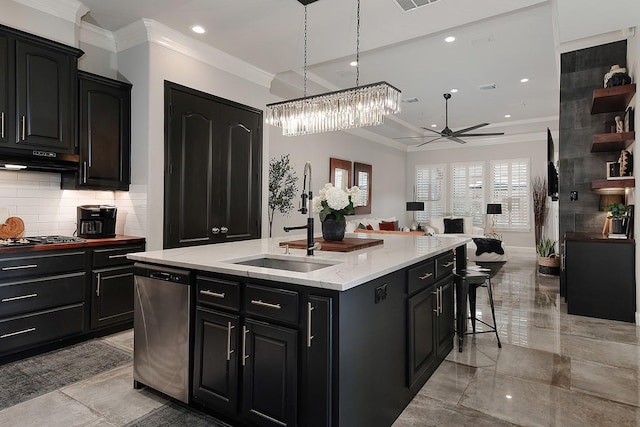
(306,207)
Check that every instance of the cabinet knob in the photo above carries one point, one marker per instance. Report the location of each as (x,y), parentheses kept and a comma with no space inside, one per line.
(215,230)
(224,230)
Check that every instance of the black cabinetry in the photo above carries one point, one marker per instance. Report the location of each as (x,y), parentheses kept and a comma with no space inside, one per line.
(104,134)
(213,150)
(600,276)
(112,285)
(40,95)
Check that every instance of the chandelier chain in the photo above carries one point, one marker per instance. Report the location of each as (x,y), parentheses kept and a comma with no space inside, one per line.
(305,51)
(358,45)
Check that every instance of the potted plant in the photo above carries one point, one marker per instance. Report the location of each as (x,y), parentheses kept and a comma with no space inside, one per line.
(617,214)
(282,187)
(548,262)
(332,204)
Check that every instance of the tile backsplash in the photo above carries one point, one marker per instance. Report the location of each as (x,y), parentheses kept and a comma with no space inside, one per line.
(36,197)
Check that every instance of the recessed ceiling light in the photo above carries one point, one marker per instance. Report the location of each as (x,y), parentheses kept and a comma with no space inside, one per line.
(524,80)
(450,39)
(454,90)
(353,63)
(198,29)
(433,126)
(508,396)
(507,115)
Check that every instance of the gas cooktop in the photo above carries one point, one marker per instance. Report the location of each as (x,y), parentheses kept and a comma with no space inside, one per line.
(39,240)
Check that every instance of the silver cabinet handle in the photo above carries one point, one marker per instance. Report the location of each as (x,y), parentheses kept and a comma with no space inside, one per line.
(309,336)
(215,230)
(437,309)
(229,351)
(265,304)
(224,230)
(2,131)
(245,331)
(84,172)
(24,128)
(24,331)
(19,298)
(212,294)
(117,256)
(426,276)
(20,267)
(449,264)
(441,304)
(98,286)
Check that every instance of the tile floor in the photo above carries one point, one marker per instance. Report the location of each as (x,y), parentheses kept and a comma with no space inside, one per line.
(553,370)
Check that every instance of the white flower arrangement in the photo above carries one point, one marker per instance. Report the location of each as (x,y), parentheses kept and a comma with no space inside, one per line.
(332,200)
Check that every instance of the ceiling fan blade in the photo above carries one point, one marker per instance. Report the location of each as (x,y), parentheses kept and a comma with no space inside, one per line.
(410,137)
(458,140)
(426,142)
(458,132)
(482,134)
(431,130)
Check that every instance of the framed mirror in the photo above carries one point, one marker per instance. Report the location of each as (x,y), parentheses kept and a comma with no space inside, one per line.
(362,178)
(340,173)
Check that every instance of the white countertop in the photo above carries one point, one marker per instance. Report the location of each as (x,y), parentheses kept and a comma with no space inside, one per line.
(347,269)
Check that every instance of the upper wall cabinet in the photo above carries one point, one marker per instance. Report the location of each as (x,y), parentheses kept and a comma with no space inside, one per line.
(37,94)
(104,134)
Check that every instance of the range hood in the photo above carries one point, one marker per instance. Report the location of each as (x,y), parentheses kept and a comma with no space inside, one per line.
(38,160)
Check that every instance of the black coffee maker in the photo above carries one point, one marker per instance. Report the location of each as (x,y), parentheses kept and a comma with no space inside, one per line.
(96,221)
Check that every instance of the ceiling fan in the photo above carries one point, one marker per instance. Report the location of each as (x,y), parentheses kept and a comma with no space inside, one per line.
(448,133)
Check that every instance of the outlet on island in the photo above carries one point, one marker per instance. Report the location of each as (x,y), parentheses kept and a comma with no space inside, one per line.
(381,293)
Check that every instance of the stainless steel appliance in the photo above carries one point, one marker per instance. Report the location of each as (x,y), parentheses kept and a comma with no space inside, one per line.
(39,240)
(162,330)
(96,221)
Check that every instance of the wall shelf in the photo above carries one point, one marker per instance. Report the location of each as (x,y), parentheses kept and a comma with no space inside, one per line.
(603,142)
(612,186)
(612,99)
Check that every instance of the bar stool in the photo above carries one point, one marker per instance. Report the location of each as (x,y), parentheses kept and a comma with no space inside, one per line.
(469,281)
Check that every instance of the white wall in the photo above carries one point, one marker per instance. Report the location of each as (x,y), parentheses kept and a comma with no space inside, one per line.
(535,150)
(388,164)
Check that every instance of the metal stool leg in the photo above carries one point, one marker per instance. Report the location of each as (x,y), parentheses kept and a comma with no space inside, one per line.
(472,306)
(493,311)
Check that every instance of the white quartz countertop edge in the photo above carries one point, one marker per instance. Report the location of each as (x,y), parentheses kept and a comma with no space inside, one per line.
(348,269)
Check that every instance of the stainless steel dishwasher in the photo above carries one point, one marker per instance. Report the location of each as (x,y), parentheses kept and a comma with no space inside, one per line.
(162,330)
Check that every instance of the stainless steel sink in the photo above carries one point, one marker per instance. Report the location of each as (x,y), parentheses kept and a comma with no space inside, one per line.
(300,265)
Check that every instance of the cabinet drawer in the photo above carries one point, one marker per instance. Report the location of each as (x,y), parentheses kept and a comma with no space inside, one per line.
(114,255)
(36,265)
(422,275)
(444,265)
(22,332)
(218,293)
(38,294)
(278,304)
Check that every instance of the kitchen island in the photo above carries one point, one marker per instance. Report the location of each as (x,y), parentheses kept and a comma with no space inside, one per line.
(348,343)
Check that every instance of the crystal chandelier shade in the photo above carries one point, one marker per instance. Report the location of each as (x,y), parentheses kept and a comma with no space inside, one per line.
(344,109)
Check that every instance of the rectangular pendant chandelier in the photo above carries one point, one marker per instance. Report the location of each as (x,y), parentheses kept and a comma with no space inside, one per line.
(343,109)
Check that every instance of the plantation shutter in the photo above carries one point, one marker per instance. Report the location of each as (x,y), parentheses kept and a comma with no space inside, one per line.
(510,187)
(430,189)
(467,198)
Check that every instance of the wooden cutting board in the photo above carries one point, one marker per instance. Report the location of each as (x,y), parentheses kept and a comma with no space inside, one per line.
(348,244)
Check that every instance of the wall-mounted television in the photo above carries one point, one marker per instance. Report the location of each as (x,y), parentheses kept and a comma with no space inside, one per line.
(552,172)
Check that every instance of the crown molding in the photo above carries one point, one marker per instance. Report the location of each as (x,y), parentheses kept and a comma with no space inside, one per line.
(600,39)
(97,36)
(69,10)
(148,30)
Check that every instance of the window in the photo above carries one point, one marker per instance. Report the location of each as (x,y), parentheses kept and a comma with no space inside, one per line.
(467,197)
(430,189)
(510,187)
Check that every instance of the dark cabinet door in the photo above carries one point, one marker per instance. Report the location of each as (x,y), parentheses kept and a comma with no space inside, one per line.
(213,157)
(215,368)
(270,367)
(318,369)
(445,318)
(45,98)
(5,86)
(422,351)
(104,134)
(112,296)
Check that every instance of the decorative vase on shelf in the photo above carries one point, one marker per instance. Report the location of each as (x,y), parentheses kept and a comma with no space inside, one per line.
(332,229)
